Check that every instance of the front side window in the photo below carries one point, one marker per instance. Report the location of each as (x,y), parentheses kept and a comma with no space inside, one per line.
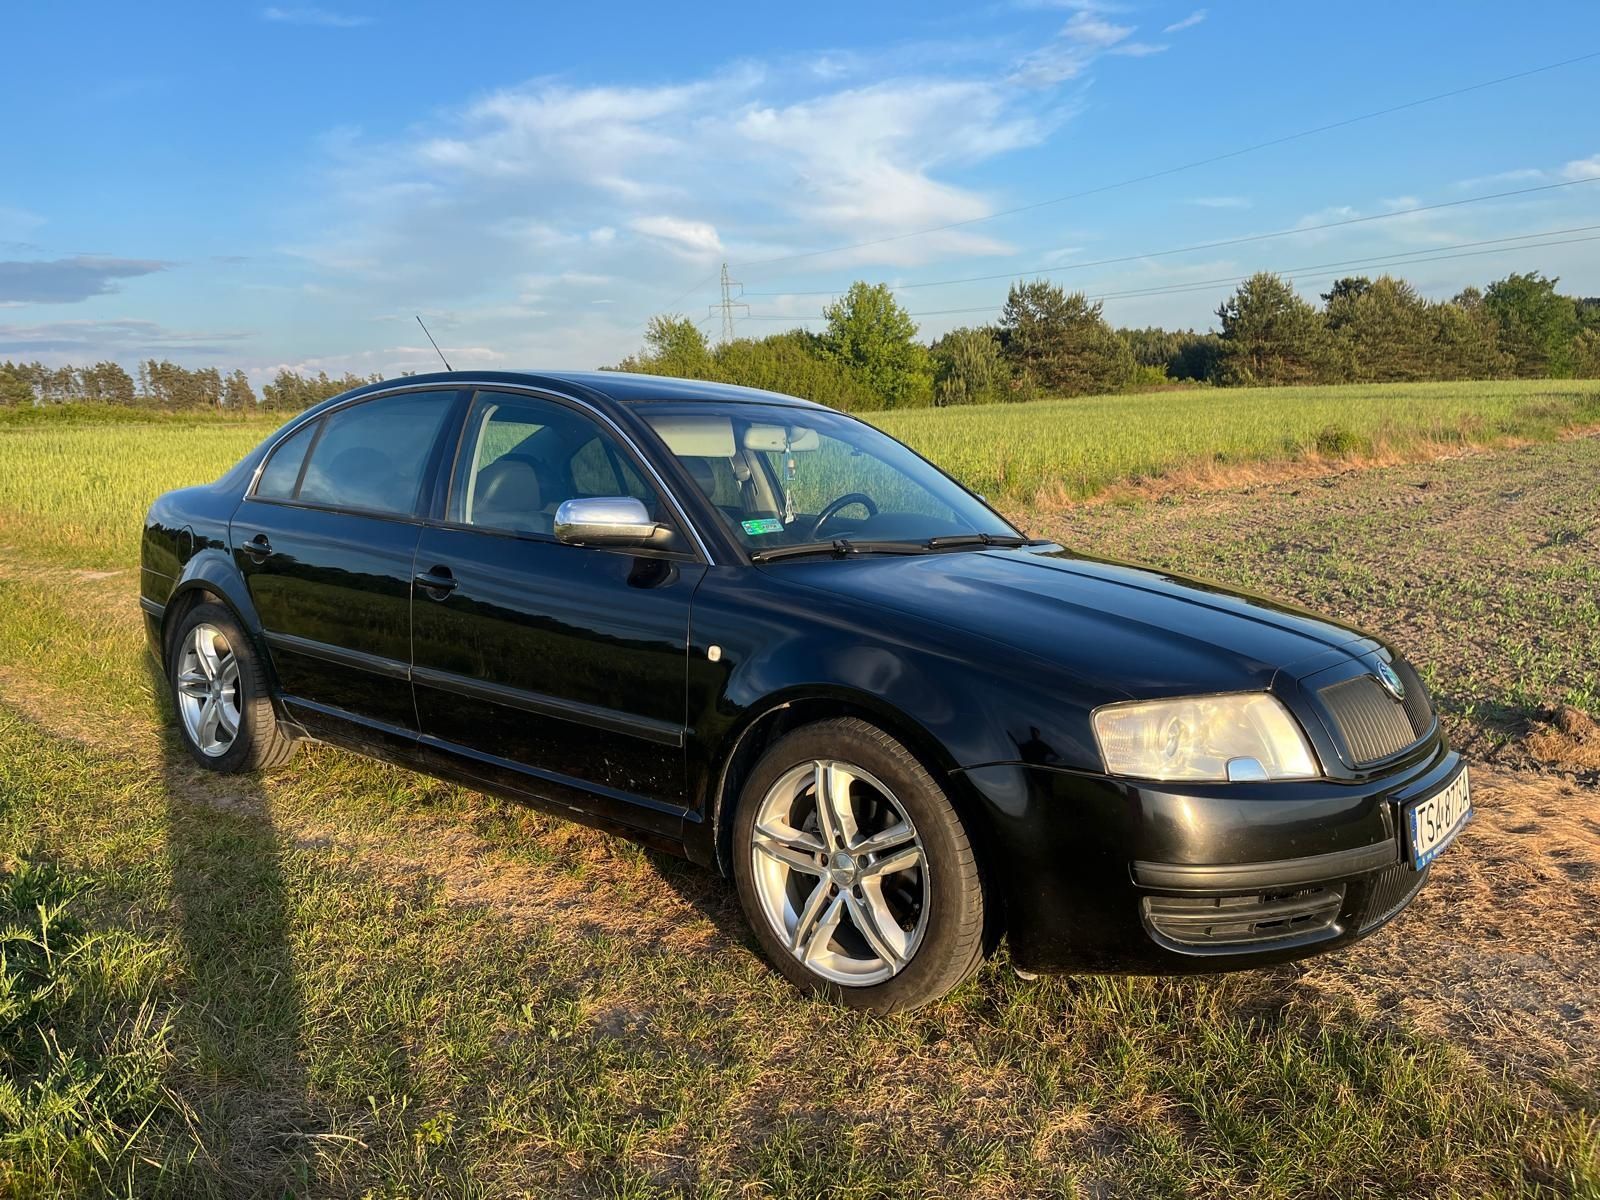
(372,456)
(522,456)
(787,476)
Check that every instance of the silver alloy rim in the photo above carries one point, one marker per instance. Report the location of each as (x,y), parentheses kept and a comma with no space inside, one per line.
(841,873)
(208,690)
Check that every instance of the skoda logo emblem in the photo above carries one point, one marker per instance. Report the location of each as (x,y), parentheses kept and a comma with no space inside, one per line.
(1391,681)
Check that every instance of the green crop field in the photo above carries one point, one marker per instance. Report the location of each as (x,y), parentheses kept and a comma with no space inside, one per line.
(347,980)
(73,483)
(1073,449)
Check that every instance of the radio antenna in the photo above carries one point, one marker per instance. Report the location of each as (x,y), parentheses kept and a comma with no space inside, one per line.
(435,345)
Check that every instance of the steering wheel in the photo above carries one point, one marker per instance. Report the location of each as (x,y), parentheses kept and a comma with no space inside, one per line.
(833,508)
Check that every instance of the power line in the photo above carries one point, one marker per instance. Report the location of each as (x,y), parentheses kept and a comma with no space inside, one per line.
(687,292)
(1441,254)
(1174,170)
(1238,241)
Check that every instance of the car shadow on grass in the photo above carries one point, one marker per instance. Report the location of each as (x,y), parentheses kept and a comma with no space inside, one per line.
(240,1024)
(712,896)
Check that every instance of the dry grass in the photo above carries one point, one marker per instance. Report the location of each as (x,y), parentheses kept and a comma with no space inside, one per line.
(382,985)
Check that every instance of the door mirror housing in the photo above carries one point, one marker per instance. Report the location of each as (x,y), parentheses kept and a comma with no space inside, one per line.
(610,521)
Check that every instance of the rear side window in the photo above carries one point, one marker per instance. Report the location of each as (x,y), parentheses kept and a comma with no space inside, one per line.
(372,455)
(282,471)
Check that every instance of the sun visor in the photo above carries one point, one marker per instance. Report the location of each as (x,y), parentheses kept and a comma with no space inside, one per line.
(696,436)
(777,437)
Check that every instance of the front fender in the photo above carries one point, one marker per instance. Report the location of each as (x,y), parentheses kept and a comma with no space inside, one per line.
(757,648)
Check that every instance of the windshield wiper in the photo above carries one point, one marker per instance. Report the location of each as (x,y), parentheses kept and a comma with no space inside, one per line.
(956,540)
(839,548)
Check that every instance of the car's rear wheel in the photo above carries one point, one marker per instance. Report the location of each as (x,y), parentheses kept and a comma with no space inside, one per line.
(219,689)
(855,870)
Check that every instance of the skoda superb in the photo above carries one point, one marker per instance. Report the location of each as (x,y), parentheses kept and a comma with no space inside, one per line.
(748,629)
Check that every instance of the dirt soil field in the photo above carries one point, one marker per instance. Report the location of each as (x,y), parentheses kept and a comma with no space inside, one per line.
(1484,567)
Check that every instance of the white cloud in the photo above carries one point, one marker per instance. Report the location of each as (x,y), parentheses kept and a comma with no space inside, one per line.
(1582,168)
(1084,38)
(1139,49)
(1188,22)
(602,136)
(513,213)
(1578,168)
(1519,175)
(324,17)
(697,238)
(863,163)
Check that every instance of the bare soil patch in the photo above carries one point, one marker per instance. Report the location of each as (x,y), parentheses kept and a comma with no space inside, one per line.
(1499,952)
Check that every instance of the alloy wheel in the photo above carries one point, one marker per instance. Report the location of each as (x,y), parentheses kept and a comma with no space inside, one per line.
(208,690)
(840,872)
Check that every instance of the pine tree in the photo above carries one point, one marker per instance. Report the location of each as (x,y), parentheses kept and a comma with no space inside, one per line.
(1061,341)
(1272,337)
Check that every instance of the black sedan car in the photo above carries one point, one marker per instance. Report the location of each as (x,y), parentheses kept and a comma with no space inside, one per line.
(754,631)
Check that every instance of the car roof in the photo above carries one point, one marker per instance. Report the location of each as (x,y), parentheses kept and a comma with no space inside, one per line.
(623,387)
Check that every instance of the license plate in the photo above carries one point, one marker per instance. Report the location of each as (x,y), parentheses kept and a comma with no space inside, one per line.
(1432,823)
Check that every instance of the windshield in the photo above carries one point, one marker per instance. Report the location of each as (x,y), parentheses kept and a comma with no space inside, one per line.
(787,476)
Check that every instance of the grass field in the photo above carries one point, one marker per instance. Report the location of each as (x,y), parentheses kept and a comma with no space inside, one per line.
(1055,450)
(347,980)
(63,495)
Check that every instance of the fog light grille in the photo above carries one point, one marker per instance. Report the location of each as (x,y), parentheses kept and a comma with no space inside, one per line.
(1390,891)
(1253,921)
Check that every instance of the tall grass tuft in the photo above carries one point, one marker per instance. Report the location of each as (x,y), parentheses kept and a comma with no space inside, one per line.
(83,1049)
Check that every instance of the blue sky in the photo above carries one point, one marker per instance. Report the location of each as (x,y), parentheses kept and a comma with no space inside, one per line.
(261,186)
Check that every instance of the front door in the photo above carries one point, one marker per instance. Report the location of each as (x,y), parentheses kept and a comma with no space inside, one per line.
(326,542)
(553,669)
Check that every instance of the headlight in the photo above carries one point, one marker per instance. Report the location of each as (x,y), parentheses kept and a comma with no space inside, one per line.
(1248,735)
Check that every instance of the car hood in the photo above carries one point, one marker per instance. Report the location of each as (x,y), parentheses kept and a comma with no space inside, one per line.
(1128,629)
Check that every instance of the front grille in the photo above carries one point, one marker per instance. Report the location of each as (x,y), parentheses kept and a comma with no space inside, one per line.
(1372,724)
(1391,890)
(1419,709)
(1257,921)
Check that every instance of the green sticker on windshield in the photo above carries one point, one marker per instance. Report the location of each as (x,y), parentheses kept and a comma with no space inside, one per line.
(763,525)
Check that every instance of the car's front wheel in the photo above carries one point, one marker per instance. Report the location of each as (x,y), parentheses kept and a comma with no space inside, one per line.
(219,689)
(855,870)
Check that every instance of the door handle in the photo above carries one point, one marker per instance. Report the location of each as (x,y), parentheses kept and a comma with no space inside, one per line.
(438,582)
(258,547)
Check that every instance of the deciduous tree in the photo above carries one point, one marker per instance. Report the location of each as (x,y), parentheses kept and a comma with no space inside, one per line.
(1537,324)
(871,334)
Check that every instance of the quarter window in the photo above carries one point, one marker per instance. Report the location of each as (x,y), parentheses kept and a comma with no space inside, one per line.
(282,472)
(372,456)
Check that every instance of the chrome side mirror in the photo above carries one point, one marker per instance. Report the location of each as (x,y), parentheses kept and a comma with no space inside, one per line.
(608,521)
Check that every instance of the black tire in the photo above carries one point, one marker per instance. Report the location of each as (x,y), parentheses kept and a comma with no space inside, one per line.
(951,945)
(260,744)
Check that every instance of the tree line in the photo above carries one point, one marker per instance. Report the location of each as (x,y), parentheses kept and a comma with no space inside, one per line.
(166,385)
(1048,341)
(1045,341)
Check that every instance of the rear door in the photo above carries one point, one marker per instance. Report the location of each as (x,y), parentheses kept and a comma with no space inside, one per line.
(325,542)
(554,669)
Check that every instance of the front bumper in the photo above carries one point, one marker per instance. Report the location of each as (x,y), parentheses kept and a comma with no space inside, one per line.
(1105,875)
